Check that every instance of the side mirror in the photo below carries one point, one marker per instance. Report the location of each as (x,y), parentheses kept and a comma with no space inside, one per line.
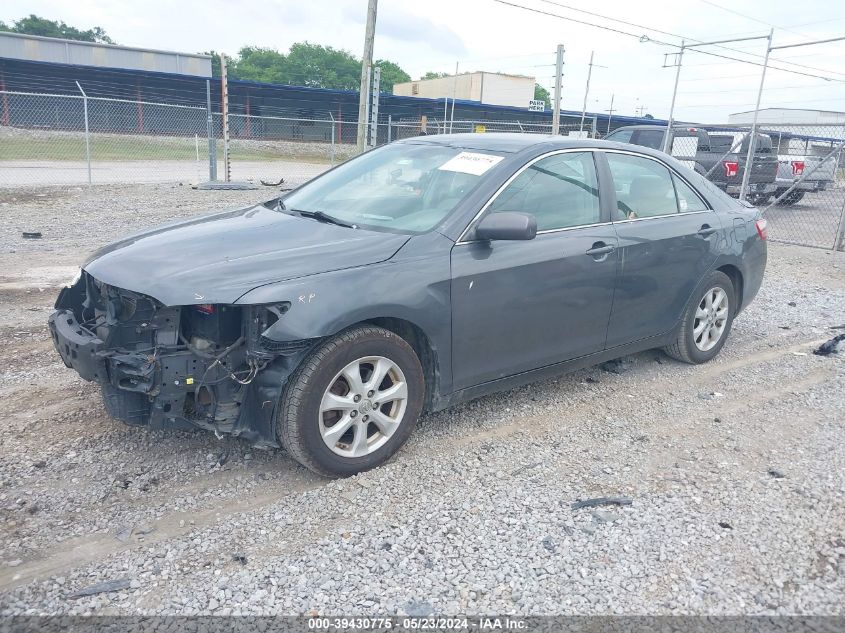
(506,225)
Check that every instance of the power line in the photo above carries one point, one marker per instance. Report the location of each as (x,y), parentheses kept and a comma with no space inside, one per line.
(645,38)
(677,35)
(753,19)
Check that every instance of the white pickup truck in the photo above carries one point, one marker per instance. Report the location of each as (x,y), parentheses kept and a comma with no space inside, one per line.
(821,172)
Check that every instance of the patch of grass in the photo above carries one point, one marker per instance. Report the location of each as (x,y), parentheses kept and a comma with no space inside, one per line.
(127,148)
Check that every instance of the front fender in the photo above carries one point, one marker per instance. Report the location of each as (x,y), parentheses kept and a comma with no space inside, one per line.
(414,287)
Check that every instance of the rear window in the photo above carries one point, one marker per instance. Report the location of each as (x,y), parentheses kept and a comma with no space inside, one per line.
(721,142)
(650,138)
(620,136)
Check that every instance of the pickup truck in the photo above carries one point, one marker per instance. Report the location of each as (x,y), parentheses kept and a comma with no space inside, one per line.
(820,172)
(695,147)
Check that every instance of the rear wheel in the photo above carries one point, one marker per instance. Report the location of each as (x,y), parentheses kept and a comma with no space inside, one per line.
(793,197)
(352,403)
(759,199)
(706,322)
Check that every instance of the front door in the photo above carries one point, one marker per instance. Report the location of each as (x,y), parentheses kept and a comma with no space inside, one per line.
(520,305)
(667,242)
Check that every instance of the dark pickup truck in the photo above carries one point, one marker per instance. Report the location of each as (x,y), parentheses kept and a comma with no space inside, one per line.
(710,156)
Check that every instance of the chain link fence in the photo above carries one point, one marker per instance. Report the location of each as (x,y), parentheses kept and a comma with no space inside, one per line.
(50,139)
(797,176)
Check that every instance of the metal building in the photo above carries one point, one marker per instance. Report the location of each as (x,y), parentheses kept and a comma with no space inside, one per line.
(485,88)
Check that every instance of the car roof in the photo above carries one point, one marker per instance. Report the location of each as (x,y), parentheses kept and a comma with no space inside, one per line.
(508,142)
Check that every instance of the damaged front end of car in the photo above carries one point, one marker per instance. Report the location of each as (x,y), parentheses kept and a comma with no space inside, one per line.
(208,366)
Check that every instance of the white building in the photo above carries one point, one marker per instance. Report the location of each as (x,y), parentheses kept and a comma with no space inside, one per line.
(489,88)
(818,130)
(790,116)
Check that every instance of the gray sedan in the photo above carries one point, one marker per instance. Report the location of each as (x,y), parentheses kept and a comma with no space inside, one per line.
(416,276)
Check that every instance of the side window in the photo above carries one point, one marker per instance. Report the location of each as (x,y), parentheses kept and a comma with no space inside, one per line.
(560,191)
(688,200)
(643,187)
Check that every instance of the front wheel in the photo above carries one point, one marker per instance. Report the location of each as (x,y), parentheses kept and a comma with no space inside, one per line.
(706,321)
(352,403)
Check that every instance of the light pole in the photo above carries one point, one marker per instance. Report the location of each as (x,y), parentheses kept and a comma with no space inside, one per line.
(558,81)
(587,90)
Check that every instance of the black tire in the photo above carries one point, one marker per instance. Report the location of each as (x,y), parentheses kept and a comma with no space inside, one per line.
(792,198)
(684,347)
(297,425)
(759,199)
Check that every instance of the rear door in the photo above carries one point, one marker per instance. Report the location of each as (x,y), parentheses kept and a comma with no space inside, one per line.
(667,241)
(521,305)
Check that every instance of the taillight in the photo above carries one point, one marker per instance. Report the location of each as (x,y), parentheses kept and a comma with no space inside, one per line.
(762,228)
(731,168)
(797,167)
(205,308)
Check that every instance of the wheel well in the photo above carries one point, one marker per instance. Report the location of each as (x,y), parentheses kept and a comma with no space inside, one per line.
(421,344)
(736,279)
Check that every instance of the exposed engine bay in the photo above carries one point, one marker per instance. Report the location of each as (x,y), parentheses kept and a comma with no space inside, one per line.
(210,366)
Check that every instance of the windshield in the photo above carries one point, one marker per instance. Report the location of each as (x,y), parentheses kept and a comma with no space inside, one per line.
(402,187)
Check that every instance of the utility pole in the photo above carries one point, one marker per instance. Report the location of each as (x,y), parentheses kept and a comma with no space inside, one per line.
(558,80)
(587,89)
(667,140)
(366,64)
(610,114)
(224,98)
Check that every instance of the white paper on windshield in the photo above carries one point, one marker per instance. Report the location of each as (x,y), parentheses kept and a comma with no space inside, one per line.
(470,163)
(684,146)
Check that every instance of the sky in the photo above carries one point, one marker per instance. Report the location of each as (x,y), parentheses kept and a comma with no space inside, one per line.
(493,36)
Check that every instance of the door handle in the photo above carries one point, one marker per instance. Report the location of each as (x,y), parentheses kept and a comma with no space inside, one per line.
(599,249)
(706,230)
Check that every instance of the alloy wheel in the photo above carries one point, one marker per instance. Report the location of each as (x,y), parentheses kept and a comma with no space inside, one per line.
(711,319)
(363,406)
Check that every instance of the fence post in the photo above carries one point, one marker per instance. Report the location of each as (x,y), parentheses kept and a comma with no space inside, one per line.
(839,244)
(389,128)
(331,155)
(212,143)
(87,135)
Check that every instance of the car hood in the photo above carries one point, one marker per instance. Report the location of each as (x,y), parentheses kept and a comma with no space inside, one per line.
(217,258)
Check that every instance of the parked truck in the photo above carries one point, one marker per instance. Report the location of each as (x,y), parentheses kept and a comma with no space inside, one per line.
(808,173)
(725,168)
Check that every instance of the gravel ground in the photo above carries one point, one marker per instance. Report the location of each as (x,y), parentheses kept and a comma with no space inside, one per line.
(735,470)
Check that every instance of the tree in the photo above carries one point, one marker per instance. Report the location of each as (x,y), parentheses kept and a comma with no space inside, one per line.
(541,93)
(391,74)
(258,64)
(433,75)
(35,25)
(321,67)
(648,116)
(305,65)
(215,62)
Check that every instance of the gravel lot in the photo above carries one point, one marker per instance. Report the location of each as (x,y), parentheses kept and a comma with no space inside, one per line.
(735,469)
